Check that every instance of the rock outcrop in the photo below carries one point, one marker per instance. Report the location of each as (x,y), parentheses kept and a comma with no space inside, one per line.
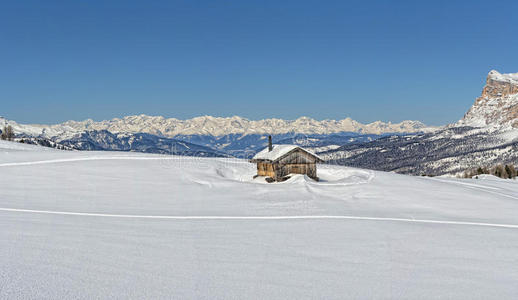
(498,104)
(499,85)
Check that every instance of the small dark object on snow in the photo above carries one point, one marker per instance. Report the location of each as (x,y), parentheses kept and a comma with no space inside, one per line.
(269,179)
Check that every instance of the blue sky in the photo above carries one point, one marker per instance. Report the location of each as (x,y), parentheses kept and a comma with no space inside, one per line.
(368,60)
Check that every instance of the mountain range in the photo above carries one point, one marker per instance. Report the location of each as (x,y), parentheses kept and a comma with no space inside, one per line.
(485,136)
(214,126)
(219,136)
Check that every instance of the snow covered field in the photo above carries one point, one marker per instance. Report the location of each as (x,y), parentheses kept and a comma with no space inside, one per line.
(128,225)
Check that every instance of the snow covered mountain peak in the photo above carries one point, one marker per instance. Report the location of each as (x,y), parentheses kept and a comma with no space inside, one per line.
(498,105)
(217,126)
(497,76)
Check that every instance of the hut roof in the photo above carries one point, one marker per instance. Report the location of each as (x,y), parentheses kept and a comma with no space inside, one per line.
(278,152)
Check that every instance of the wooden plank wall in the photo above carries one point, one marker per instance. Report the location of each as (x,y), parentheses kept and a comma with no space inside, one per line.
(285,169)
(265,169)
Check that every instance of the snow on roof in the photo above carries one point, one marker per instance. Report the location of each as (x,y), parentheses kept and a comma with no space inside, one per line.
(279,151)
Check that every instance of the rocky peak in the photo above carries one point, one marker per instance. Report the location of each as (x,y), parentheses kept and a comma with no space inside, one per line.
(498,104)
(499,85)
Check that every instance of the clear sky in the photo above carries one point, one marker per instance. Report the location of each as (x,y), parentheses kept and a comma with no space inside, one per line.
(368,60)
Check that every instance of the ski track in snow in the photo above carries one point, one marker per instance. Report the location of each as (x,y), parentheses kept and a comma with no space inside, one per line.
(486,189)
(301,217)
(65,160)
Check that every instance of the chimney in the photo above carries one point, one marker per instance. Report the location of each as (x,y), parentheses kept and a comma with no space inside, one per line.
(270,147)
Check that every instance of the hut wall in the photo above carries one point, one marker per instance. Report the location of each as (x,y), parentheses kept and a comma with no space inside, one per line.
(282,170)
(265,169)
(297,162)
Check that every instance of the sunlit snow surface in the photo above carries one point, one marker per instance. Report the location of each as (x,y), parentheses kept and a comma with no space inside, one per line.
(128,225)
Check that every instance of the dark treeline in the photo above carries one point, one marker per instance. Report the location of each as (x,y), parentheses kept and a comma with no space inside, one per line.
(502,171)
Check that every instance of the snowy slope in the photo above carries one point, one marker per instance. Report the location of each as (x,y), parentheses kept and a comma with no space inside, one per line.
(128,225)
(137,142)
(451,150)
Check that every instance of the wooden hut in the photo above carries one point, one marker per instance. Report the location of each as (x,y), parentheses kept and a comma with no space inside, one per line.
(278,161)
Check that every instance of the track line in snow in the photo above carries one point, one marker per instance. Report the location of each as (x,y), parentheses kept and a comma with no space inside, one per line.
(483,188)
(65,160)
(301,217)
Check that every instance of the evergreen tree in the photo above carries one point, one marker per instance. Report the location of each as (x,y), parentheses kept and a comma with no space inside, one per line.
(512,171)
(7,133)
(508,171)
(504,174)
(499,170)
